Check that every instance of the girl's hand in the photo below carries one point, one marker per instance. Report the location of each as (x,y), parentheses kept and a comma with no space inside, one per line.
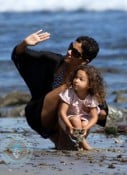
(36,38)
(84,131)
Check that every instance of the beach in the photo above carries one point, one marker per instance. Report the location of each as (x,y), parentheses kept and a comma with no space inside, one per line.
(22,150)
(71,163)
(38,156)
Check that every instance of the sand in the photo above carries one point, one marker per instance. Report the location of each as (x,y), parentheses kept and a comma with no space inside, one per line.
(37,156)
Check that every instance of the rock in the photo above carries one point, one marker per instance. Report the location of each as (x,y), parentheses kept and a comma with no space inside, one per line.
(115,115)
(116,121)
(13,104)
(111,130)
(122,128)
(14,98)
(121,98)
(17,111)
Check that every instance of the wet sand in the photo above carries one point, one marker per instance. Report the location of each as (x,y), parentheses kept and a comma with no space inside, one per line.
(38,156)
(67,163)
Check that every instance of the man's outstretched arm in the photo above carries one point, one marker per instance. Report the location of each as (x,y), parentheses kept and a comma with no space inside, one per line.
(32,40)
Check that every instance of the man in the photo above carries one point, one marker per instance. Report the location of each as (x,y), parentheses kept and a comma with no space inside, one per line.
(45,74)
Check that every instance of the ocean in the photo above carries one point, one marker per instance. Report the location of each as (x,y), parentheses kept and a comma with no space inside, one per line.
(66,20)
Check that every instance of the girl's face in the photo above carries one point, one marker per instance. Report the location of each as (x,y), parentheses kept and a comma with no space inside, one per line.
(80,81)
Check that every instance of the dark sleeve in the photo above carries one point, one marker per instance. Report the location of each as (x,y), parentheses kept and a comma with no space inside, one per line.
(37,69)
(102,121)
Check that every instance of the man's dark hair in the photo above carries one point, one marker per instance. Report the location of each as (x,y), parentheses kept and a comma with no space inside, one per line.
(89,46)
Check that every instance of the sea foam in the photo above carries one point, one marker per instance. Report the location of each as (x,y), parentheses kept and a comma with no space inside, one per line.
(65,5)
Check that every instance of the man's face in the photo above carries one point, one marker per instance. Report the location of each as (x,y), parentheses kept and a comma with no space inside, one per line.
(74,52)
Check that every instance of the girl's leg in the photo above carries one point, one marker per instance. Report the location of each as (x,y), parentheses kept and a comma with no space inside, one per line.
(85,145)
(78,124)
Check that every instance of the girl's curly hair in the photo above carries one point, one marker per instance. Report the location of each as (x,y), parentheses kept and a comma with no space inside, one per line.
(96,83)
